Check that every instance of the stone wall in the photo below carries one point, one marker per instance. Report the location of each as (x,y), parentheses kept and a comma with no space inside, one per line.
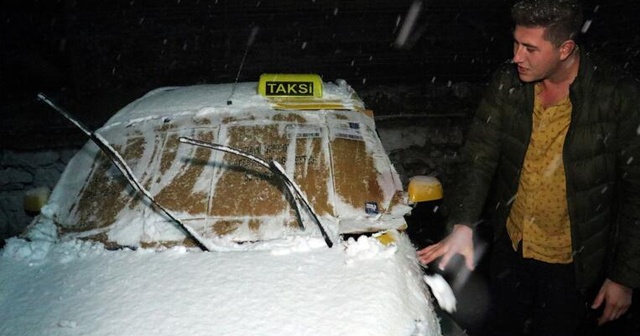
(423,147)
(23,171)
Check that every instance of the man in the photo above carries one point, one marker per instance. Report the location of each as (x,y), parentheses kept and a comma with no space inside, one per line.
(557,132)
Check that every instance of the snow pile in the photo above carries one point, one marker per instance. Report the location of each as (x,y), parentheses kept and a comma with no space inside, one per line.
(296,286)
(365,248)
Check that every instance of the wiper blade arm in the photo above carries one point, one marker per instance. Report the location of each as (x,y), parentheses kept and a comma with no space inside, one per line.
(122,166)
(275,168)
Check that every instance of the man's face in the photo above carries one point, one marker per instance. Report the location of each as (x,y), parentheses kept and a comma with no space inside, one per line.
(537,59)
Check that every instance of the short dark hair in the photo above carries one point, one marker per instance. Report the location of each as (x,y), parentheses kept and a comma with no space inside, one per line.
(561,18)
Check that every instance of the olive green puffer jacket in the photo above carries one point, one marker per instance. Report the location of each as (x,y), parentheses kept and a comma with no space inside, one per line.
(602,162)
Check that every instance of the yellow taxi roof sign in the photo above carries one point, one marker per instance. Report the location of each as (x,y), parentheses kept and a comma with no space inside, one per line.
(290,85)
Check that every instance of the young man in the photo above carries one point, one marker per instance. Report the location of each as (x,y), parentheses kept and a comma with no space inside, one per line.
(558,134)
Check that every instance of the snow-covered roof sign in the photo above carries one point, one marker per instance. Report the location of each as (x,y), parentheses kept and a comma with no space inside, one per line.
(326,142)
(290,85)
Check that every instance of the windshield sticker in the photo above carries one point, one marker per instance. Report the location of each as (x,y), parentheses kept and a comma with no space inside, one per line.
(371,208)
(303,131)
(347,130)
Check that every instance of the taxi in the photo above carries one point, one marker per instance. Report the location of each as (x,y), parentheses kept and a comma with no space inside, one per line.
(258,208)
(231,164)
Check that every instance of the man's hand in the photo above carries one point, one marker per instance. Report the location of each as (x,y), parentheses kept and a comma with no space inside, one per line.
(617,300)
(460,241)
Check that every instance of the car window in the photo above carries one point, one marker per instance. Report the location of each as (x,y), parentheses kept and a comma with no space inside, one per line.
(336,160)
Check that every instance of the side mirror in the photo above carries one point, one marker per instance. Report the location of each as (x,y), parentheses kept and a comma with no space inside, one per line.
(426,224)
(424,189)
(35,199)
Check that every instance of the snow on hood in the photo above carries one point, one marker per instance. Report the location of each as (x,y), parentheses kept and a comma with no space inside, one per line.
(74,287)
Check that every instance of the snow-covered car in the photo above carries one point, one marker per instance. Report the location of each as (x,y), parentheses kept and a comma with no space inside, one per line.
(261,208)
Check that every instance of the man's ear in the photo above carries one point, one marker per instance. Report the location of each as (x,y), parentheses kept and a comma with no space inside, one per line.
(567,48)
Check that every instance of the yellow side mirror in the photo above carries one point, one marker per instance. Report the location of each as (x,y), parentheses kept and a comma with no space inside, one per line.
(424,189)
(386,238)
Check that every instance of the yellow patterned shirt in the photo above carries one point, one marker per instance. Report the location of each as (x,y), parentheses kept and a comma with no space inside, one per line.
(539,216)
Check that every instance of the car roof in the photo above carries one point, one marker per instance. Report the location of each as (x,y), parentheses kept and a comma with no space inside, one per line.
(329,146)
(225,98)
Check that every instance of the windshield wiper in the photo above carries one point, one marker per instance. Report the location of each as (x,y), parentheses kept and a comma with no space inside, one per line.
(277,170)
(122,166)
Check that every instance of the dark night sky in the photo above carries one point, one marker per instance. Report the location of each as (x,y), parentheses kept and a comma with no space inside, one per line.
(95,56)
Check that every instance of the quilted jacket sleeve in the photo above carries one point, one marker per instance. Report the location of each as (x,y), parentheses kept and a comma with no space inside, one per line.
(478,157)
(625,265)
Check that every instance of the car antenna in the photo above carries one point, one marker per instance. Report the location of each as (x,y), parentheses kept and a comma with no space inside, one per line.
(252,37)
(122,166)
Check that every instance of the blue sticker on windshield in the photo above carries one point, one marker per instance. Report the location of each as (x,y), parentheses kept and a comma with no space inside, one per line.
(371,208)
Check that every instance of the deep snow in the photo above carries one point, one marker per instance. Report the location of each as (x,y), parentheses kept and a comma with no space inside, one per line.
(296,286)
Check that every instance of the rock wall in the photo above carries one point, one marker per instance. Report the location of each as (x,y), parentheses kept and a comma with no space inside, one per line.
(23,171)
(428,147)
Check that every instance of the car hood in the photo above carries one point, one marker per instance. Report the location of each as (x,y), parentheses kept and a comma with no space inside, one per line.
(298,287)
